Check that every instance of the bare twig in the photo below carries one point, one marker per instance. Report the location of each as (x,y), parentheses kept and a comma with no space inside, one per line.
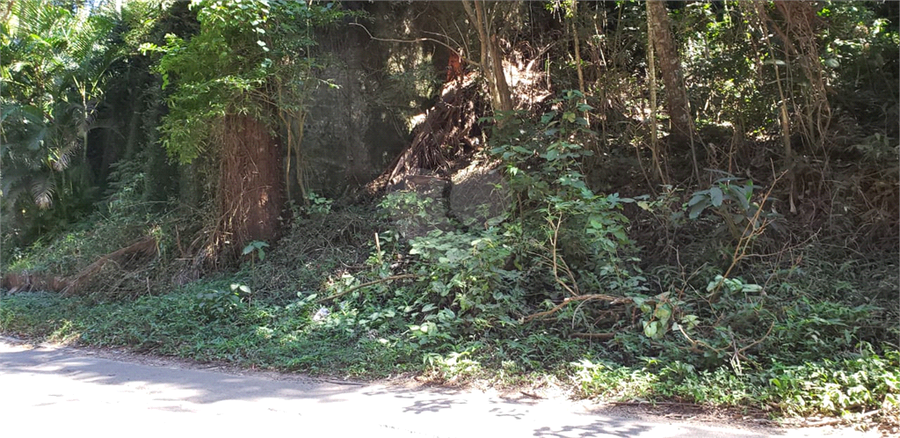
(694,343)
(419,40)
(655,403)
(740,352)
(833,421)
(556,261)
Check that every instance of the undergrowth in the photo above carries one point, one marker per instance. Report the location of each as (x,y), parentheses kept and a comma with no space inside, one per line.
(552,286)
(829,387)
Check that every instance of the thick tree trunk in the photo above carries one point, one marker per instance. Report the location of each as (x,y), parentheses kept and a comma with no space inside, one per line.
(251,193)
(670,67)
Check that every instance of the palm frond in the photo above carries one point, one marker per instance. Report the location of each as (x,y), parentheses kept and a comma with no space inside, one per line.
(62,158)
(42,192)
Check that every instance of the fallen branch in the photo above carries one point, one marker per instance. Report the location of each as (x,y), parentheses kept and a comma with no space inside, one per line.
(146,247)
(611,299)
(370,283)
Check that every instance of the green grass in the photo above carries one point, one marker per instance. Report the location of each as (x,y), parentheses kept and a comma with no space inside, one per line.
(187,324)
(179,325)
(825,387)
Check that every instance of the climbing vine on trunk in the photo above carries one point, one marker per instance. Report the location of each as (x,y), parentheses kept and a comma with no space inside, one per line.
(225,78)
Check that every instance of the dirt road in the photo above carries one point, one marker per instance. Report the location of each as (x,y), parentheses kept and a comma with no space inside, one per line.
(54,392)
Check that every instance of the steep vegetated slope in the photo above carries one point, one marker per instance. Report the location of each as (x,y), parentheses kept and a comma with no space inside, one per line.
(665,200)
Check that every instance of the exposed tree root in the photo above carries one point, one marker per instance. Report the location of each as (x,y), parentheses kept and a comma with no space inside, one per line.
(448,133)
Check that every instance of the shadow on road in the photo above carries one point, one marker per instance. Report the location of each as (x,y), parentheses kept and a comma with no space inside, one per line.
(68,377)
(206,386)
(596,428)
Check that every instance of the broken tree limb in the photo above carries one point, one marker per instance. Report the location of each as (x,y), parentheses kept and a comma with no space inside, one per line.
(418,40)
(609,298)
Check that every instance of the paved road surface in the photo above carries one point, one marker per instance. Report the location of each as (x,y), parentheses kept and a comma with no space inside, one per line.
(64,392)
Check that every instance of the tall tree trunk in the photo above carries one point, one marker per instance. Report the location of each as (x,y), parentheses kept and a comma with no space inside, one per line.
(578,68)
(577,41)
(670,67)
(654,135)
(251,194)
(491,59)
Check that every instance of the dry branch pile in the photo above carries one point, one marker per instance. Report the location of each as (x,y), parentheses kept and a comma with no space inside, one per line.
(106,275)
(130,259)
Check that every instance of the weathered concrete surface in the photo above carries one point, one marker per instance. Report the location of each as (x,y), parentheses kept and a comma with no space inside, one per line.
(53,392)
(479,194)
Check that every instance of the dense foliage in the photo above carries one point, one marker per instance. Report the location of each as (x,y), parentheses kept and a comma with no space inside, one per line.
(696,203)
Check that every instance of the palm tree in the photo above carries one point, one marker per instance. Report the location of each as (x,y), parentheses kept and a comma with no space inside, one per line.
(53,62)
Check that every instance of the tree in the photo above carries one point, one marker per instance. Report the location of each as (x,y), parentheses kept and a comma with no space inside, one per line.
(235,81)
(491,57)
(53,64)
(660,35)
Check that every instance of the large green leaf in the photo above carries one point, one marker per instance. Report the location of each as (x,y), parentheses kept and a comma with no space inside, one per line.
(716,195)
(741,194)
(698,208)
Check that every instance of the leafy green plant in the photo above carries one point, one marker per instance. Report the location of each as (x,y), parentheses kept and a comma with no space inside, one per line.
(453,366)
(658,312)
(826,387)
(613,381)
(577,235)
(239,52)
(318,205)
(732,285)
(216,304)
(733,202)
(544,168)
(55,63)
(257,251)
(809,330)
(466,273)
(836,387)
(412,214)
